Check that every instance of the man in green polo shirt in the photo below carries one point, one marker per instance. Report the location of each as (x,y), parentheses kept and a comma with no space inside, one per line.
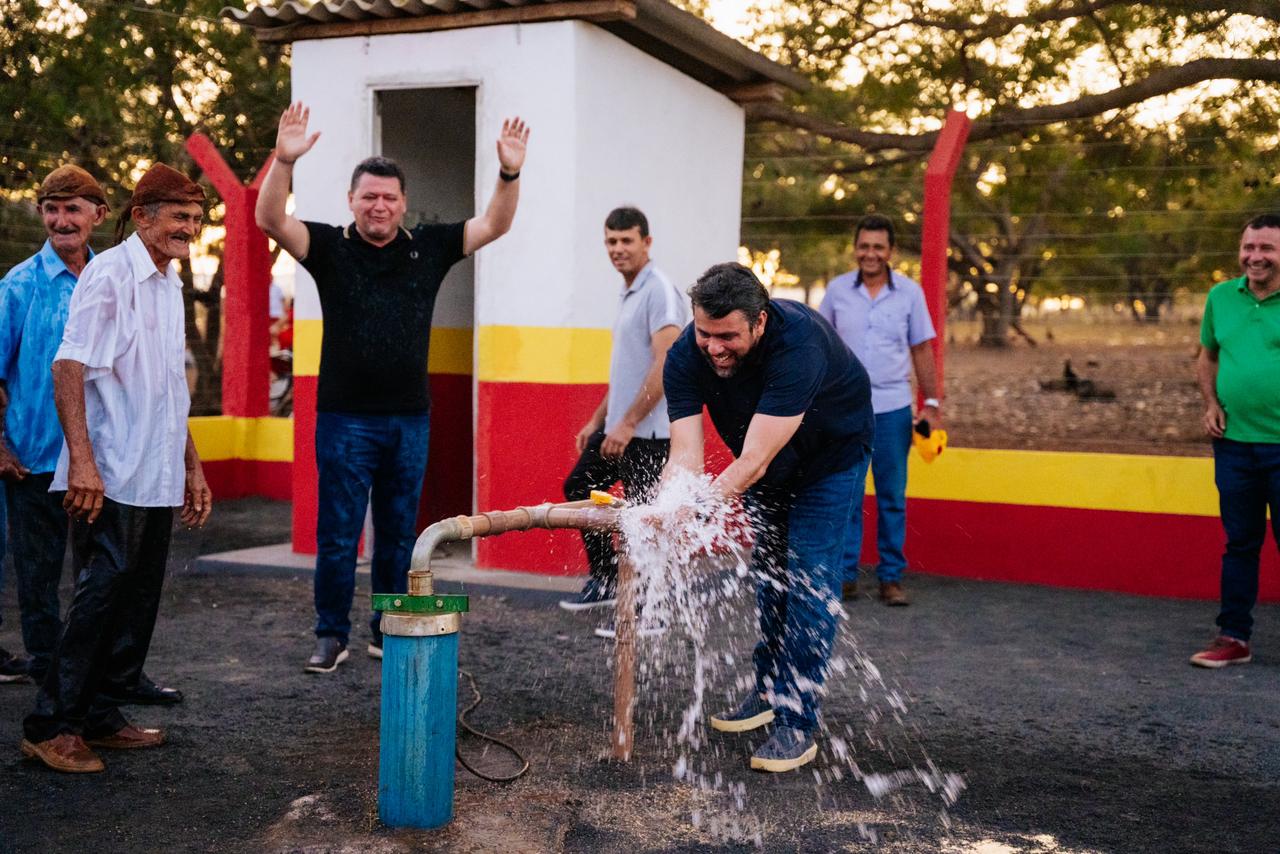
(1239,375)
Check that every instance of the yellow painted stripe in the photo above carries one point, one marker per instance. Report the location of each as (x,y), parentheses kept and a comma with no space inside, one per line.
(306,347)
(450,349)
(543,354)
(1122,482)
(222,437)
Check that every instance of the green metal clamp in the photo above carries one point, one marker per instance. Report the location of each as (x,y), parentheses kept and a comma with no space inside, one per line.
(433,603)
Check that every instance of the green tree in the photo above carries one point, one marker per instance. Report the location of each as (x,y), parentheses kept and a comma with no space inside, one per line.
(116,86)
(1060,149)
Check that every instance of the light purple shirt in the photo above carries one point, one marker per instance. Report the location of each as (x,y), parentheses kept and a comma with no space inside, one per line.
(880,332)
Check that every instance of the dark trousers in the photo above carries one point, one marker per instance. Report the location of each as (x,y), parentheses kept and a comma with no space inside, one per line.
(120,562)
(638,468)
(354,455)
(38,544)
(1248,479)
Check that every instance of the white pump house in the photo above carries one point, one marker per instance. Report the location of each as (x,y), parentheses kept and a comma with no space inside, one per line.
(630,102)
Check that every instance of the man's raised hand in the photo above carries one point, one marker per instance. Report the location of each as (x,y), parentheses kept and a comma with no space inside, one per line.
(291,139)
(511,144)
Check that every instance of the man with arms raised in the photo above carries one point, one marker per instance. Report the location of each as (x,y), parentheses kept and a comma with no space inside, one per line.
(127,460)
(377,283)
(1239,374)
(794,407)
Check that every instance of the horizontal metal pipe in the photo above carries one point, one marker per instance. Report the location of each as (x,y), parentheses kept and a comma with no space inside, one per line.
(570,514)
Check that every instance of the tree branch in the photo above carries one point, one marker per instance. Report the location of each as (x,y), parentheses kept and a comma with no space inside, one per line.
(997,25)
(1161,81)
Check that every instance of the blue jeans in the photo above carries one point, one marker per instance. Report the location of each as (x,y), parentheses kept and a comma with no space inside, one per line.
(889,468)
(354,454)
(796,564)
(1248,479)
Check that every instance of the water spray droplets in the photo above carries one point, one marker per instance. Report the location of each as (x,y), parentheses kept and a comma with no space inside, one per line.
(691,553)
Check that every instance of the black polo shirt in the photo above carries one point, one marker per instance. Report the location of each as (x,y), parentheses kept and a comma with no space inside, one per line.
(800,366)
(377,304)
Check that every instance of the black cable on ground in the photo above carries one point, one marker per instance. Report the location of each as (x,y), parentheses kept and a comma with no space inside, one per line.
(462,722)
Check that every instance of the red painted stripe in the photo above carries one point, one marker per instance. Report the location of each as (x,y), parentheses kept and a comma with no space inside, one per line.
(242,478)
(447,486)
(1150,554)
(524,451)
(446,491)
(304,464)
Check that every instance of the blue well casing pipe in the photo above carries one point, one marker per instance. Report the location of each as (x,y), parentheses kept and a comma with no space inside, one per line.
(418,730)
(420,664)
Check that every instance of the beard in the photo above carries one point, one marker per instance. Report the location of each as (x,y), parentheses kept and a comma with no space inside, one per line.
(746,361)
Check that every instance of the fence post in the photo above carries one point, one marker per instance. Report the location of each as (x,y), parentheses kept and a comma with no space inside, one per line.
(938,177)
(246,274)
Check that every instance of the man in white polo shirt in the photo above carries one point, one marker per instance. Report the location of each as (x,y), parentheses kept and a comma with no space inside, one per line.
(628,436)
(126,462)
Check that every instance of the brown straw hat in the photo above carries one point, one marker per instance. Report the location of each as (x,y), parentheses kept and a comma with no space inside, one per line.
(69,182)
(160,184)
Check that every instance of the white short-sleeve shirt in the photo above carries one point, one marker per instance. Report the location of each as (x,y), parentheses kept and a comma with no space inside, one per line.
(126,325)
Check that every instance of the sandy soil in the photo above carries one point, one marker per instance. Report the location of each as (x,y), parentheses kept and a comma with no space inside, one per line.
(994,397)
(1072,717)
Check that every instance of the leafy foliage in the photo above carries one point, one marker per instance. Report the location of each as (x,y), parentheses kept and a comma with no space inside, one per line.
(116,85)
(1078,179)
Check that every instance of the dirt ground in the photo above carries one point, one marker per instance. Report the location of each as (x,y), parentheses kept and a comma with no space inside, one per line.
(994,398)
(1072,717)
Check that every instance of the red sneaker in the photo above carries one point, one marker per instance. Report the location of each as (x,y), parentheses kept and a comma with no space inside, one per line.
(1223,651)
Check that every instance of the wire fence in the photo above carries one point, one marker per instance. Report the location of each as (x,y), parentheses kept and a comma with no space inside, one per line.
(1077,274)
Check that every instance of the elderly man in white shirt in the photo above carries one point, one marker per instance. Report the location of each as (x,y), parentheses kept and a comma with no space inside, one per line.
(127,461)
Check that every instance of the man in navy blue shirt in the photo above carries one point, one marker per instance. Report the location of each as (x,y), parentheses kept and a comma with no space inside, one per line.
(794,406)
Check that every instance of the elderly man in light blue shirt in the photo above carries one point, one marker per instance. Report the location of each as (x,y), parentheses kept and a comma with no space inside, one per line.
(883,318)
(628,435)
(33,310)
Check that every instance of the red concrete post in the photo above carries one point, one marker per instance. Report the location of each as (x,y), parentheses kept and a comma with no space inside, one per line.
(938,177)
(246,264)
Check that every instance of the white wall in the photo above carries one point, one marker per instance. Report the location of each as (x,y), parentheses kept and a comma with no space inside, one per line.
(651,137)
(610,125)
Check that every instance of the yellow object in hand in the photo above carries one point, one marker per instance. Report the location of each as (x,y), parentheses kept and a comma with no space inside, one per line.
(929,443)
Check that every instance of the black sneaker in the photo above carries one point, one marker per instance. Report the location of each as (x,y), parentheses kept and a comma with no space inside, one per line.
(330,652)
(754,711)
(593,595)
(14,669)
(787,749)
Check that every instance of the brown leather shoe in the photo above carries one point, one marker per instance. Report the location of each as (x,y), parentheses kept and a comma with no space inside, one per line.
(129,737)
(891,593)
(66,752)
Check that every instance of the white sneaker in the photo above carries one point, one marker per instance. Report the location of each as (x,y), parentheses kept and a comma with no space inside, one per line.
(374,650)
